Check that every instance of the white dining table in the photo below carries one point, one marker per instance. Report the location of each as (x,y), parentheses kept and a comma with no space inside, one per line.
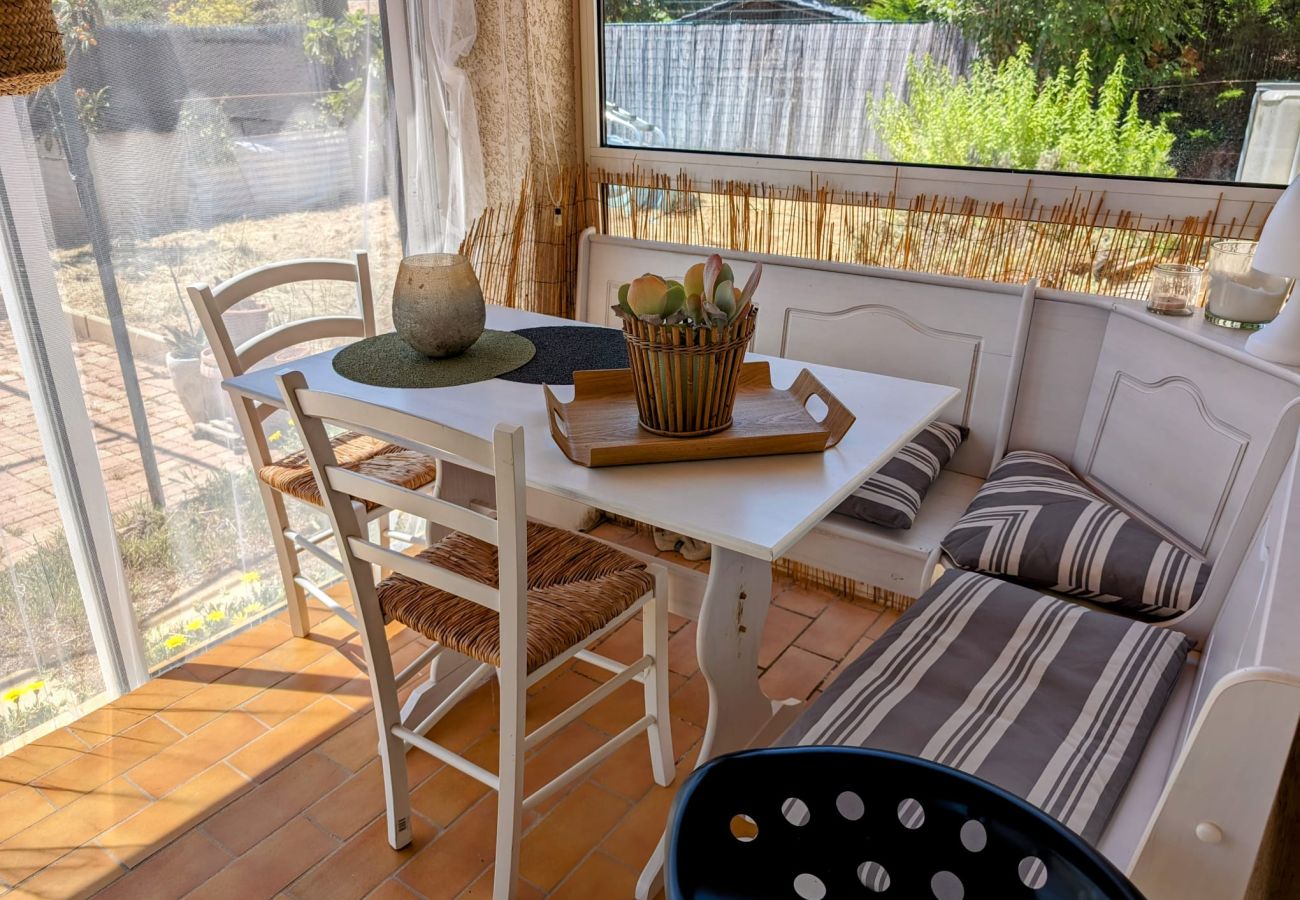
(751,510)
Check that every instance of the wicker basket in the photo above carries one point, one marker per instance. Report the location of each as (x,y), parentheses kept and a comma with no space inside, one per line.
(31,48)
(686,378)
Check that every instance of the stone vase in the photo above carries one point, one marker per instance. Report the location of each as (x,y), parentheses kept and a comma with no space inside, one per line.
(438,305)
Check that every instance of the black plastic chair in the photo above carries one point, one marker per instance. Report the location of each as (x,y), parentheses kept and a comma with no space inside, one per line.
(832,822)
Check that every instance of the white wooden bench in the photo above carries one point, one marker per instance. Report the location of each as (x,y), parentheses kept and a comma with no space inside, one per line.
(1169,418)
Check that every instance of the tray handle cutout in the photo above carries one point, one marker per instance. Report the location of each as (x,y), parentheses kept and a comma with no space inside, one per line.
(838,419)
(559,424)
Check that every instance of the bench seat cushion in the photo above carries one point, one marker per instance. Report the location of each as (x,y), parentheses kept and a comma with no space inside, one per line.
(1036,522)
(1045,698)
(892,497)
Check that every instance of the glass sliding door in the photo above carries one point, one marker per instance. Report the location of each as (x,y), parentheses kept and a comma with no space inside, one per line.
(190,141)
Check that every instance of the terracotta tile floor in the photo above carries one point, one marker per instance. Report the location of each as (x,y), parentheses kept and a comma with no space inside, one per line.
(251,772)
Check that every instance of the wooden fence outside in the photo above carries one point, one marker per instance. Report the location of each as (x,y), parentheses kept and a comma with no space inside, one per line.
(785,89)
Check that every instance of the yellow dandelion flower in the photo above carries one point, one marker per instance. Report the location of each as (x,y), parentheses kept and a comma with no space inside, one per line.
(12,695)
(275,436)
(176,640)
(251,577)
(216,615)
(254,607)
(33,687)
(193,624)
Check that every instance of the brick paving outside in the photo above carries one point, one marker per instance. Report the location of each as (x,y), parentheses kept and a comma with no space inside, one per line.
(28,511)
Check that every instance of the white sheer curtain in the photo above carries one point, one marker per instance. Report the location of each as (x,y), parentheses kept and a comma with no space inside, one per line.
(442,161)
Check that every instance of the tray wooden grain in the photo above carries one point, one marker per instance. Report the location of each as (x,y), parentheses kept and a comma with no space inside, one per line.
(599,426)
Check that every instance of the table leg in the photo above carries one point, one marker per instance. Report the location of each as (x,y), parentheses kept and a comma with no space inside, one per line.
(446,673)
(727,637)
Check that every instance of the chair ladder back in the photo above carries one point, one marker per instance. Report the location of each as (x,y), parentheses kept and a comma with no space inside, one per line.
(424,572)
(211,304)
(291,334)
(341,486)
(422,434)
(254,281)
(424,506)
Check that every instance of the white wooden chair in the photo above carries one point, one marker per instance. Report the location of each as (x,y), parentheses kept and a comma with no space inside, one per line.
(519,598)
(291,476)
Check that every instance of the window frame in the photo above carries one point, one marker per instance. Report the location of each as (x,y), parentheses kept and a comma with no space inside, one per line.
(1153,201)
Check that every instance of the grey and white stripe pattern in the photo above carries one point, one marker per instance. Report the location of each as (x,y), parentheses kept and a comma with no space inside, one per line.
(1036,522)
(1052,701)
(892,497)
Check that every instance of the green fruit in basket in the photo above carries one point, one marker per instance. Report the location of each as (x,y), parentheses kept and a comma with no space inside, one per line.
(648,296)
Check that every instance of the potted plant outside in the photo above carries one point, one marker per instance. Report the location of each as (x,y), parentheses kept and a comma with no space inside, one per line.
(686,343)
(184,346)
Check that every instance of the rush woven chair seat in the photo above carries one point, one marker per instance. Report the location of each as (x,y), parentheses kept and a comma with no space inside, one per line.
(576,586)
(499,596)
(360,453)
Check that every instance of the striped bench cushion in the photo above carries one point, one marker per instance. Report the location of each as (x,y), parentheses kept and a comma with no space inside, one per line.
(1037,523)
(892,497)
(1045,698)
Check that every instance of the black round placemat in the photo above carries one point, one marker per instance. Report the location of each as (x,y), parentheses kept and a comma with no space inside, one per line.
(386,360)
(565,349)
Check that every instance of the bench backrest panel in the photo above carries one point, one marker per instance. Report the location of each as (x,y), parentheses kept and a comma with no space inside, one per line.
(960,332)
(1175,431)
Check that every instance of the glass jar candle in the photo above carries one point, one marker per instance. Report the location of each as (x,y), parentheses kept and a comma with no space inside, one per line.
(1238,296)
(1174,288)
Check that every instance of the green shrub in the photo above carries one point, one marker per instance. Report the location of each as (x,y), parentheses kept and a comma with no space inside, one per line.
(1002,116)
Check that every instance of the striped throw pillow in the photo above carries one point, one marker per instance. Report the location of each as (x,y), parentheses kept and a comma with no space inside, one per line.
(892,497)
(1035,522)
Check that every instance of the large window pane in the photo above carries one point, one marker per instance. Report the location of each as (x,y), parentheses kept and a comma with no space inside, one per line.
(1189,89)
(48,666)
(190,141)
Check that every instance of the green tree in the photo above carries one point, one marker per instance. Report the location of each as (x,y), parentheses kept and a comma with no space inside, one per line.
(900,11)
(1002,116)
(1150,32)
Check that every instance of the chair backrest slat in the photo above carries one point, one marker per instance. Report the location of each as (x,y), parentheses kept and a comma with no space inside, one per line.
(433,438)
(254,281)
(290,334)
(427,573)
(425,506)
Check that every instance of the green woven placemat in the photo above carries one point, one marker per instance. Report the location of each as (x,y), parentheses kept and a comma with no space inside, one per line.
(385,360)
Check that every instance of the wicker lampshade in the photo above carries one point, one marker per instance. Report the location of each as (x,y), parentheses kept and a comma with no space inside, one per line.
(31,48)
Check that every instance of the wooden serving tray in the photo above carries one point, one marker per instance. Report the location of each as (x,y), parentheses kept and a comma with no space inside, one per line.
(599,426)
